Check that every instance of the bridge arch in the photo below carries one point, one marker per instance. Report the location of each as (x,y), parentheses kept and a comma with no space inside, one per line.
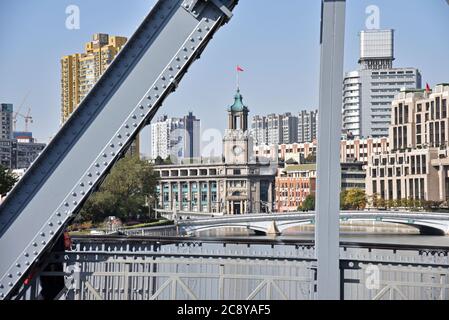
(424,227)
(189,230)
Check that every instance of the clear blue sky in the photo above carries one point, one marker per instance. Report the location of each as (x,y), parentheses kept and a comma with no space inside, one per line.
(275,41)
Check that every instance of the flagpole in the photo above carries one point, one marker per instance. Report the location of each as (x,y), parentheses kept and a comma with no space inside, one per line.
(238,79)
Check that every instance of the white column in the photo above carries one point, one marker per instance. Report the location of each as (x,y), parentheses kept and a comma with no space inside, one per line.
(328,162)
(442,182)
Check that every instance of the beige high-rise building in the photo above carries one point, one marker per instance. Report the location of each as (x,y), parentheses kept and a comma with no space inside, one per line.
(80,71)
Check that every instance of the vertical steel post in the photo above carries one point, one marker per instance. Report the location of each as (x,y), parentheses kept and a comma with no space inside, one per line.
(328,159)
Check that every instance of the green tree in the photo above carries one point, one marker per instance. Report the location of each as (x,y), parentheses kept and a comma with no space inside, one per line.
(7,180)
(122,193)
(309,203)
(353,199)
(311,158)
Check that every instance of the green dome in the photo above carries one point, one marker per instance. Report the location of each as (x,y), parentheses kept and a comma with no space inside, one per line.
(238,105)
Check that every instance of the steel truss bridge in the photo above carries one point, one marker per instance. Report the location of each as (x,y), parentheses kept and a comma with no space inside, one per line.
(36,212)
(275,223)
(143,268)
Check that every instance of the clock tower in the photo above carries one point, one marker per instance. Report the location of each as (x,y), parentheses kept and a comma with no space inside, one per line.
(236,139)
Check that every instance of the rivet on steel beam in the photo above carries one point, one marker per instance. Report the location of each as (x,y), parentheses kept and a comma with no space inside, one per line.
(74,194)
(34,244)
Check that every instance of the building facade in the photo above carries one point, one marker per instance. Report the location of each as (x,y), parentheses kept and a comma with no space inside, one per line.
(284,128)
(293,184)
(417,165)
(6,116)
(80,71)
(259,130)
(357,150)
(369,91)
(307,126)
(176,137)
(19,155)
(236,183)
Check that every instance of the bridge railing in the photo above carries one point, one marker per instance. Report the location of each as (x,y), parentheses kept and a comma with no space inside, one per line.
(114,269)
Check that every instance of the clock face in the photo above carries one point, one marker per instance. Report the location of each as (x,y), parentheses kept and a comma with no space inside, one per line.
(237,150)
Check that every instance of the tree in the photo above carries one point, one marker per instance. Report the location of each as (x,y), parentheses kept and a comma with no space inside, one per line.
(311,158)
(122,193)
(7,180)
(353,199)
(309,203)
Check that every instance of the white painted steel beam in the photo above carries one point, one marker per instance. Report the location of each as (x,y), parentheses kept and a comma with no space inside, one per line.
(121,103)
(328,157)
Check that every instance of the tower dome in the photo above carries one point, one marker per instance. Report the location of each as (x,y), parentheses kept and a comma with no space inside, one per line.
(238,105)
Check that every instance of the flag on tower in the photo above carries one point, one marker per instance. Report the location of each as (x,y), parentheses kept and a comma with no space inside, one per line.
(427,88)
(240,69)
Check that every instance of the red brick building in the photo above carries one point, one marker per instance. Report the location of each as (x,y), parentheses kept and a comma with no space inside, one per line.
(293,184)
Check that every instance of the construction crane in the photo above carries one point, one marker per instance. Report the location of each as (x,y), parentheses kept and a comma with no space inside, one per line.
(34,215)
(28,119)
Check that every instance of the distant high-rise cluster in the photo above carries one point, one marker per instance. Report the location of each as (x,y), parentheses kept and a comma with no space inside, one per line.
(284,128)
(80,71)
(178,137)
(369,91)
(17,149)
